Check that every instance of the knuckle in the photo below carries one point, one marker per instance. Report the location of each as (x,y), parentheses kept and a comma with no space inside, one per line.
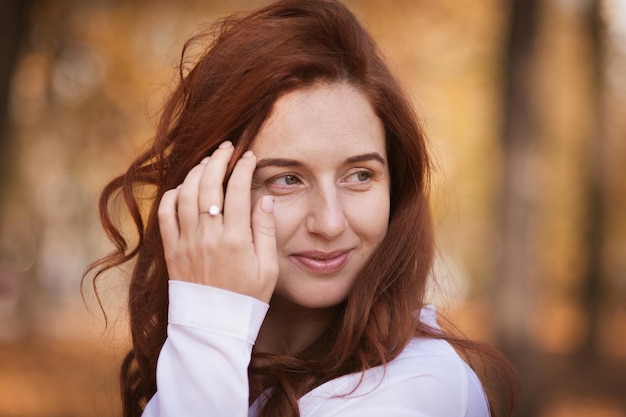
(236,183)
(233,241)
(163,213)
(185,195)
(166,199)
(266,230)
(209,243)
(209,181)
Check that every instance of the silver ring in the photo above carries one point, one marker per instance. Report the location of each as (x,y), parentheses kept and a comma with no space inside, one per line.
(213,211)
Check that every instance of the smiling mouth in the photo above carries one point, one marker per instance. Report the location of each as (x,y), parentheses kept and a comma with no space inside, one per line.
(321,263)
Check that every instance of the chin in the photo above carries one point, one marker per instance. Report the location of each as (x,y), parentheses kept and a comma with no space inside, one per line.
(311,298)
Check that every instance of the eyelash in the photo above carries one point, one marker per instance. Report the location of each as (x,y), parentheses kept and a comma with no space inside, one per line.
(274,180)
(293,177)
(369,175)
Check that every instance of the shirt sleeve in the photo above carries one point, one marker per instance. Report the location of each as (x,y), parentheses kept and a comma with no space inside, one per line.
(202,369)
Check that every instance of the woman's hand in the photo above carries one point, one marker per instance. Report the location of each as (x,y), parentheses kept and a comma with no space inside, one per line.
(232,249)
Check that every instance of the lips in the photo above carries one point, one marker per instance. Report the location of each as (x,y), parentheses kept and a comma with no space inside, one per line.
(321,263)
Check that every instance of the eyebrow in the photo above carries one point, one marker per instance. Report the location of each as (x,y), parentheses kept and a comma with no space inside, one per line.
(372,156)
(284,162)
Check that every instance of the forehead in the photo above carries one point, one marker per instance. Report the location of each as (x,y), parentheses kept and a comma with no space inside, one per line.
(324,117)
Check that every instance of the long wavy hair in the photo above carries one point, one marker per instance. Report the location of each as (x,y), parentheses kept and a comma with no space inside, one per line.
(226,91)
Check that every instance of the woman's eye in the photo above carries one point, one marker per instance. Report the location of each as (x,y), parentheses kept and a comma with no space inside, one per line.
(285,180)
(359,176)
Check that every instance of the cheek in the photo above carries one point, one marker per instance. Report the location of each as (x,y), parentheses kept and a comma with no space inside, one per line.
(289,215)
(370,219)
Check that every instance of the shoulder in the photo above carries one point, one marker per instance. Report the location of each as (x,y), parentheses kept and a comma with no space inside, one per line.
(432,365)
(431,376)
(428,357)
(427,379)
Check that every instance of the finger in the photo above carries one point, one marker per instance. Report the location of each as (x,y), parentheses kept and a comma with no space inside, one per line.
(237,199)
(210,191)
(168,220)
(188,200)
(264,237)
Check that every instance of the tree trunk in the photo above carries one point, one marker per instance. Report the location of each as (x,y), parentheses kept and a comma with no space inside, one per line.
(516,274)
(592,292)
(14,27)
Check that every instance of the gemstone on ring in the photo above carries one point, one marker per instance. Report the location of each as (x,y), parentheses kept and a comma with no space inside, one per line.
(214,210)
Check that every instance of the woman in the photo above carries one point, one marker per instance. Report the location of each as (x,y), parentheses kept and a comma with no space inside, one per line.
(290,213)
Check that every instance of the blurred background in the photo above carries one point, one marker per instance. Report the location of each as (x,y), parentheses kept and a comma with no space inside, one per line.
(524,102)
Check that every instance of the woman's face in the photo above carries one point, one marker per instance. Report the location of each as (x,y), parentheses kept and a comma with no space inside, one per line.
(321,154)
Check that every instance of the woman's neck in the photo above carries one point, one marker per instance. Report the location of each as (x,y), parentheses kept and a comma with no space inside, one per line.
(288,328)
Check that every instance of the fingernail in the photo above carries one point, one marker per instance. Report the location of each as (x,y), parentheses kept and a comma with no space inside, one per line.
(204,161)
(179,186)
(247,154)
(267,204)
(225,144)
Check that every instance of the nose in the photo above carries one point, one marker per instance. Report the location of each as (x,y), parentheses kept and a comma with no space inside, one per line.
(326,215)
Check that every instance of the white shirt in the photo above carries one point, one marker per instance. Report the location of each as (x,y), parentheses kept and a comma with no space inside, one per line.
(202,368)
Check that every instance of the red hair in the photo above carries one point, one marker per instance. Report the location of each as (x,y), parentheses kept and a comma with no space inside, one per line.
(227,94)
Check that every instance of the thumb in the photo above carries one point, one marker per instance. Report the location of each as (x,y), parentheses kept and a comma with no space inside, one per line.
(264,237)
